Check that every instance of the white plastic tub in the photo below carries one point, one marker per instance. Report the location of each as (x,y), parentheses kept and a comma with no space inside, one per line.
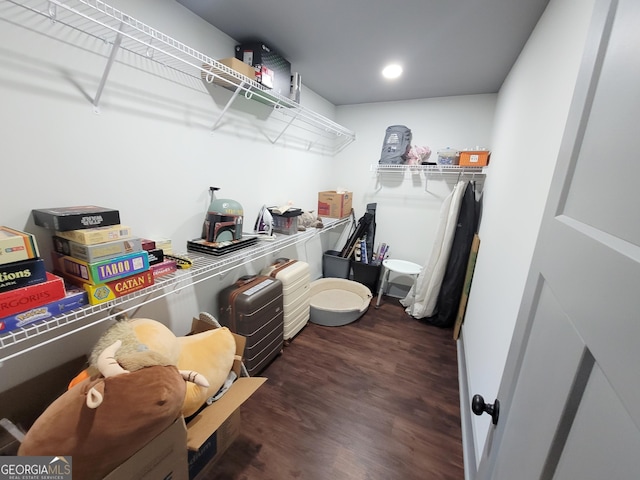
(338,301)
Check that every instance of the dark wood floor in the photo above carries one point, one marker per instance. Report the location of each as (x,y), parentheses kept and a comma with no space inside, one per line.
(376,399)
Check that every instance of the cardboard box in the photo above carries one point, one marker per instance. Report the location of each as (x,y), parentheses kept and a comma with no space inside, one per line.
(332,204)
(16,245)
(213,429)
(164,457)
(102,272)
(22,274)
(260,55)
(26,298)
(75,298)
(223,78)
(474,158)
(25,402)
(75,218)
(215,446)
(97,252)
(91,236)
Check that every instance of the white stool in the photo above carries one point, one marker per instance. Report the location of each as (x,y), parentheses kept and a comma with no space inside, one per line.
(398,266)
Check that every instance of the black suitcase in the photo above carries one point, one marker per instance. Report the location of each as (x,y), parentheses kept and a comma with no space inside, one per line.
(253,307)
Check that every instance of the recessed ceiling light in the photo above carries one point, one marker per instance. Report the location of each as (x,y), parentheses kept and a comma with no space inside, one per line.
(392,71)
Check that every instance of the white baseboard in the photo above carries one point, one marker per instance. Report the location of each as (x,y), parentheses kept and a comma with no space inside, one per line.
(468,446)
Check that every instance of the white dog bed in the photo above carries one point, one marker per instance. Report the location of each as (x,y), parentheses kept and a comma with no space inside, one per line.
(337,301)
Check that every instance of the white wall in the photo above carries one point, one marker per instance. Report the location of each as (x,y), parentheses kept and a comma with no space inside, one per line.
(408,204)
(149,152)
(530,116)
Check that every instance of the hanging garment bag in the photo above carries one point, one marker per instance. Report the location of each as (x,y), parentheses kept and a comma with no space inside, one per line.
(453,281)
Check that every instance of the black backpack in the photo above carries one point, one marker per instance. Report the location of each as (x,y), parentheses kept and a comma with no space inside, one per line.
(396,146)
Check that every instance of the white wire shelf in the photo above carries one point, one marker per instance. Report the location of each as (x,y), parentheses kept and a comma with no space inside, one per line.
(442,169)
(121,31)
(205,267)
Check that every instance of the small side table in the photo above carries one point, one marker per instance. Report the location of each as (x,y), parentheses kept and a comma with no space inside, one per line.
(402,267)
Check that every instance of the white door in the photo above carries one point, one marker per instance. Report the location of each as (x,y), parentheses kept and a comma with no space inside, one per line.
(570,394)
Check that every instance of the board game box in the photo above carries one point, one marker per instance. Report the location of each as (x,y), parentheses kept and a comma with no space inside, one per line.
(118,288)
(16,245)
(63,219)
(91,236)
(96,252)
(22,274)
(163,268)
(26,298)
(105,271)
(75,297)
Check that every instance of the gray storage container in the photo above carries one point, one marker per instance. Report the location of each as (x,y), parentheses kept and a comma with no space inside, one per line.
(335,266)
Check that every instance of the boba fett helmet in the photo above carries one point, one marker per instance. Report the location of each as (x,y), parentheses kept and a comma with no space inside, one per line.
(223,222)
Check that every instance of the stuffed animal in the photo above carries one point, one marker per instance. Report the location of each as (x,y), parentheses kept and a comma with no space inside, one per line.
(133,389)
(107,417)
(211,353)
(417,155)
(309,220)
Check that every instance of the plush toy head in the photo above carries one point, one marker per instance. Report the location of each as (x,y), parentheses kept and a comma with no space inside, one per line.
(210,353)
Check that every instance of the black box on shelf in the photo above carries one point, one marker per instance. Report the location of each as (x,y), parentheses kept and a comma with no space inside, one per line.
(75,218)
(260,55)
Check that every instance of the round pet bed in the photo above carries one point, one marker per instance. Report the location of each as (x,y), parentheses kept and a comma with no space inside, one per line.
(337,301)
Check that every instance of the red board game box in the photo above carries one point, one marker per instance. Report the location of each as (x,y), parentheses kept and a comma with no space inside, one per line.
(26,298)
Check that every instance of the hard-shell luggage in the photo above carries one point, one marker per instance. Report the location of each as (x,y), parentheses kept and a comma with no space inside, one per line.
(295,277)
(252,307)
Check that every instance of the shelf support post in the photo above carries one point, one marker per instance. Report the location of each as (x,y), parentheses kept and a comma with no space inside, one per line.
(293,117)
(228,105)
(107,69)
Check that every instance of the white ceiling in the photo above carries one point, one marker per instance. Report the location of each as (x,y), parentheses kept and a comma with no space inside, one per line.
(446,47)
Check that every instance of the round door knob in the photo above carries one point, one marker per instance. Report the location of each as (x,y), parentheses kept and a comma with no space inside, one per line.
(478,406)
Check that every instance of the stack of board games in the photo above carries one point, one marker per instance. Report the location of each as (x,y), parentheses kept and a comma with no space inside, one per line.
(94,251)
(28,292)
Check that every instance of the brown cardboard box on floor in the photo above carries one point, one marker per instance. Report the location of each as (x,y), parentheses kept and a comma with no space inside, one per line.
(212,430)
(163,457)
